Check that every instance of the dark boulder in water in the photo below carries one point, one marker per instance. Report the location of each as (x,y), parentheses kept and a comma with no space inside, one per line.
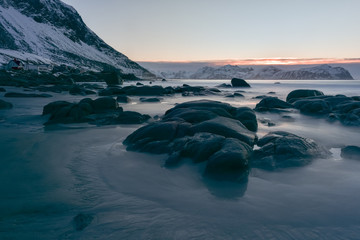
(272,104)
(302,93)
(131,117)
(227,127)
(145,90)
(110,91)
(123,99)
(5,105)
(2,89)
(101,111)
(313,106)
(282,149)
(150,100)
(231,162)
(238,82)
(204,131)
(351,152)
(234,95)
(104,104)
(80,90)
(247,117)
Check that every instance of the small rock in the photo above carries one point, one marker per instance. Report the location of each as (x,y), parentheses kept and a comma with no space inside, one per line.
(123,99)
(150,100)
(350,152)
(238,82)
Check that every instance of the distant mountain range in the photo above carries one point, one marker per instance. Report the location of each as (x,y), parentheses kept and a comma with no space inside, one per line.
(50,31)
(321,72)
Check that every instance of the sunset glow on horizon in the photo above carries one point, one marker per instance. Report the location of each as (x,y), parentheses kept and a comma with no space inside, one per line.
(273,61)
(228,32)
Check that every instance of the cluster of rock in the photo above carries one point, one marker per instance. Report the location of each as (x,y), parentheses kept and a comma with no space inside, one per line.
(145,90)
(313,102)
(223,137)
(101,111)
(61,76)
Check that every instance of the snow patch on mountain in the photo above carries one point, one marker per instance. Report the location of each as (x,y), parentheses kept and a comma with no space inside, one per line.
(321,72)
(49,31)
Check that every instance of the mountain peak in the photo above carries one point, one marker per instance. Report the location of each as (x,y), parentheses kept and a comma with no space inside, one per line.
(55,32)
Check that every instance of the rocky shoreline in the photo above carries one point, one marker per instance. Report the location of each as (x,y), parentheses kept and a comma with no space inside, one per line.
(222,136)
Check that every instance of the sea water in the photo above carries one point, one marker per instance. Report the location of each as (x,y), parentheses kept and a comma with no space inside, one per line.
(49,176)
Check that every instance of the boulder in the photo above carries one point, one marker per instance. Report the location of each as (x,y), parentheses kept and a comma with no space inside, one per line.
(234,95)
(104,104)
(313,106)
(350,152)
(272,104)
(282,149)
(231,162)
(302,93)
(189,115)
(238,82)
(53,107)
(101,111)
(5,105)
(247,117)
(2,89)
(145,90)
(123,99)
(150,100)
(110,91)
(80,90)
(130,117)
(227,127)
(203,131)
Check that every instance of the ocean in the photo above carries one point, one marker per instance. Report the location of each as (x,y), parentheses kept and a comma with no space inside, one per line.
(48,176)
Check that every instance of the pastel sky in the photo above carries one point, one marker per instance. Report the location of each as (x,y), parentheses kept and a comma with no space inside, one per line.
(229,30)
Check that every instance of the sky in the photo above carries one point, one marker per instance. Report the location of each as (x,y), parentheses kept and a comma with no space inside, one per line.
(229,31)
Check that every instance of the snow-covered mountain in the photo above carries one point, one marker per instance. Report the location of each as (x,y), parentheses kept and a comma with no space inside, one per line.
(324,72)
(50,31)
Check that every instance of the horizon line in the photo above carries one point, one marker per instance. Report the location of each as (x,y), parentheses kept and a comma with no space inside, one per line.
(269,61)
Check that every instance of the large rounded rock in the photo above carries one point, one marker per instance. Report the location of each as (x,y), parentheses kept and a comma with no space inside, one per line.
(202,130)
(247,117)
(282,149)
(351,152)
(156,137)
(238,82)
(104,104)
(313,106)
(226,127)
(272,104)
(302,93)
(53,107)
(101,111)
(231,162)
(189,115)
